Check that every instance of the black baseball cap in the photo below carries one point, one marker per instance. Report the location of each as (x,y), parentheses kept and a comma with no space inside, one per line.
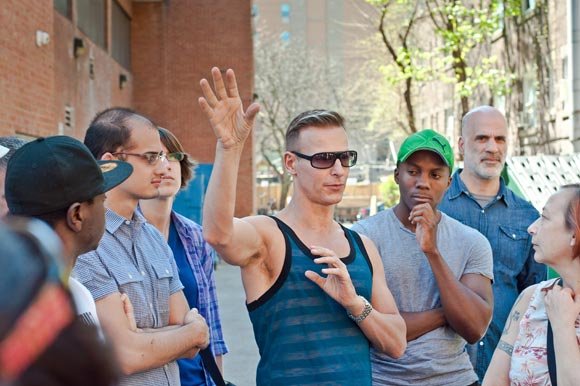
(52,173)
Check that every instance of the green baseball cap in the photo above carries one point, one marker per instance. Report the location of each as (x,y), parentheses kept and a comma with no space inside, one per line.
(426,140)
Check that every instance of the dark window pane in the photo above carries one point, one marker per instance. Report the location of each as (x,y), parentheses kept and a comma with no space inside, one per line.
(63,7)
(121,42)
(91,19)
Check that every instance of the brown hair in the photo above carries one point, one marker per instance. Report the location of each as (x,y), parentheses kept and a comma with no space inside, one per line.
(110,130)
(187,165)
(311,118)
(572,217)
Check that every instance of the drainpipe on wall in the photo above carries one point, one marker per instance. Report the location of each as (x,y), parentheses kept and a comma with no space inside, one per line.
(574,63)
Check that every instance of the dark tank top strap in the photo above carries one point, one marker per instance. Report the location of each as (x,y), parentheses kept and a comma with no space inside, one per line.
(360,244)
(283,274)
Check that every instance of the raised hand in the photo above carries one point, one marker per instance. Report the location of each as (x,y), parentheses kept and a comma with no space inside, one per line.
(426,220)
(337,284)
(223,107)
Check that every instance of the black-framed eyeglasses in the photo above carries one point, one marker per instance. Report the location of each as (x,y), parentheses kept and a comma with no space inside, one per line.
(175,157)
(326,159)
(151,157)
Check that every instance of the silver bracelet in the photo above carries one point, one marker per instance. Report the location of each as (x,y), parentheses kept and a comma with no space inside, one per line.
(366,311)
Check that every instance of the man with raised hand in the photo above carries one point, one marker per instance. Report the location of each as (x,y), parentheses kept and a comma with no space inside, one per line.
(316,292)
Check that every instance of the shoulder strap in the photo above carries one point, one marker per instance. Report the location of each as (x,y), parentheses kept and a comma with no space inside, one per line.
(551,353)
(211,366)
(551,356)
(361,245)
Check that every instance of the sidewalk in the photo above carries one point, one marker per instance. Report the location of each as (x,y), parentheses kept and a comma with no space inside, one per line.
(241,362)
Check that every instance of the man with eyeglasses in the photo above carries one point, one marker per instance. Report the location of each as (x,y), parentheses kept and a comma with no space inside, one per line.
(440,271)
(316,291)
(133,258)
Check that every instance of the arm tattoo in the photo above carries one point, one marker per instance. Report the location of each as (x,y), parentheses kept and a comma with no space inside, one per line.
(514,317)
(505,347)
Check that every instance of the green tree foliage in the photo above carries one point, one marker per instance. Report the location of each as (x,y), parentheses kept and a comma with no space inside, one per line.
(443,40)
(389,191)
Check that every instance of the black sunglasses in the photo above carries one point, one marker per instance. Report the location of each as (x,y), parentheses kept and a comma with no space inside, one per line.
(326,159)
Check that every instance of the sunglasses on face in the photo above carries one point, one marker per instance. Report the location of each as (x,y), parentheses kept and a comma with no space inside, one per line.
(327,159)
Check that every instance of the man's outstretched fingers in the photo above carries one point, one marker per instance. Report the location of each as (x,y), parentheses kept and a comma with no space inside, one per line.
(218,83)
(232,84)
(208,93)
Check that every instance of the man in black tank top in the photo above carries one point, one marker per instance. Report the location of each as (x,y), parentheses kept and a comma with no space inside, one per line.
(302,270)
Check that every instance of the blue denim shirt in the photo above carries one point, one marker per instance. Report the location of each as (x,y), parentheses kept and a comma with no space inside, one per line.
(504,221)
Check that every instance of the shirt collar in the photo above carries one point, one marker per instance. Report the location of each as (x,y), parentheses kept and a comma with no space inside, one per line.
(458,187)
(114,220)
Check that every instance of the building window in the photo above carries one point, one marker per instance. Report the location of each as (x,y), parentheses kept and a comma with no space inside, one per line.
(121,39)
(500,10)
(63,7)
(91,19)
(285,36)
(285,9)
(449,124)
(529,115)
(499,102)
(528,5)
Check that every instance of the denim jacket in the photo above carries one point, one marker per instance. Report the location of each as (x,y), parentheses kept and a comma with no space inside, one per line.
(504,222)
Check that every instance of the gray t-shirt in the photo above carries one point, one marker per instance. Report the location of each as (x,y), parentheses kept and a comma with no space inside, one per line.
(437,358)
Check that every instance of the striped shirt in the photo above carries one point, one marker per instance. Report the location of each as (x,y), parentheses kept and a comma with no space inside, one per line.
(133,258)
(304,336)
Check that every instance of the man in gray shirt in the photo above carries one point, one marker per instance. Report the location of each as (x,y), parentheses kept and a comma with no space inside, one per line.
(439,270)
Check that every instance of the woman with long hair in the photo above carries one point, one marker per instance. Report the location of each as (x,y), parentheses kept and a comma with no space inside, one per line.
(540,342)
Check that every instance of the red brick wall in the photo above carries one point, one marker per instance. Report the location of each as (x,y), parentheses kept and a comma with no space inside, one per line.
(27,86)
(174,45)
(76,88)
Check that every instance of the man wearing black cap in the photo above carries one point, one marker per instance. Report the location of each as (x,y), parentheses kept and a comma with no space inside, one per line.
(56,179)
(438,269)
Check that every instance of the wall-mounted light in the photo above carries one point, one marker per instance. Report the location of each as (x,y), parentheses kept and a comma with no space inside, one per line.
(78,47)
(122,81)
(42,38)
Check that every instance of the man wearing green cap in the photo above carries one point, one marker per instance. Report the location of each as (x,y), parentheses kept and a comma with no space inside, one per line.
(439,271)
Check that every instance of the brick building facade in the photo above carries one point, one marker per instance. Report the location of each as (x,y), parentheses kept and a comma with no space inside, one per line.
(63,61)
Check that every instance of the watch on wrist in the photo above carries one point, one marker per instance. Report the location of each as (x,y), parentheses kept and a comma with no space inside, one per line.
(366,311)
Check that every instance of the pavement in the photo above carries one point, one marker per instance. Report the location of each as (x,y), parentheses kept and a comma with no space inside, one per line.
(242,360)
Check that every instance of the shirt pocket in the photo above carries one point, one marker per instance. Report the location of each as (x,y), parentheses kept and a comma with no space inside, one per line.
(513,251)
(164,273)
(130,282)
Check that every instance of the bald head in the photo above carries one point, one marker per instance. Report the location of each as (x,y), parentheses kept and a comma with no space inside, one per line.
(483,144)
(467,123)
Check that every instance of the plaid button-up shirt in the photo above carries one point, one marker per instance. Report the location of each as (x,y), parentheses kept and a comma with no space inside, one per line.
(200,256)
